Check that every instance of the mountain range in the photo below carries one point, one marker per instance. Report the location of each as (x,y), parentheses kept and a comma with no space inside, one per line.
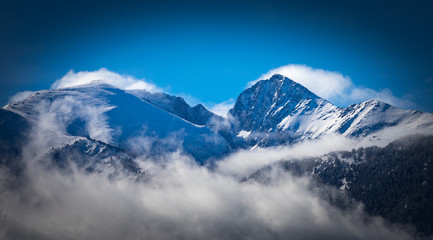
(272,112)
(280,111)
(97,127)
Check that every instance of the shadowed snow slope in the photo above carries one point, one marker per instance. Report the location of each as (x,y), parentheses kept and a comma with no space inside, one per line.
(111,115)
(198,114)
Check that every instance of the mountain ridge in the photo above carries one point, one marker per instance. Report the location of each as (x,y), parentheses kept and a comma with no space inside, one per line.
(198,114)
(108,114)
(272,112)
(267,116)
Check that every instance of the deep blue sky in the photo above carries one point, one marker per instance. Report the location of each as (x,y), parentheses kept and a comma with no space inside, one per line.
(211,49)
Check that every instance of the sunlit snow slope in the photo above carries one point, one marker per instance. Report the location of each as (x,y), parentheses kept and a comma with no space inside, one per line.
(280,111)
(103,112)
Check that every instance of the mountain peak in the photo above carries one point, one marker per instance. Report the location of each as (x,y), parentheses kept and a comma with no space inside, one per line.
(98,83)
(281,85)
(278,77)
(264,104)
(279,110)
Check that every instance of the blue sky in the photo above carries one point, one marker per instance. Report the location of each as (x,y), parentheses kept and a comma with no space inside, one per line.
(211,49)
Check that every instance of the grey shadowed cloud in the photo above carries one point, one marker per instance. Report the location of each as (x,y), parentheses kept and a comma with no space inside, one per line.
(178,200)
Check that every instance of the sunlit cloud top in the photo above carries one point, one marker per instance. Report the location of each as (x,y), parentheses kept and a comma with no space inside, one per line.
(334,86)
(122,81)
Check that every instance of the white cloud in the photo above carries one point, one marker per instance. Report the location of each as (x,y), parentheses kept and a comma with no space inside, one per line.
(121,81)
(20,96)
(235,164)
(324,83)
(385,95)
(181,200)
(55,116)
(334,86)
(177,198)
(222,108)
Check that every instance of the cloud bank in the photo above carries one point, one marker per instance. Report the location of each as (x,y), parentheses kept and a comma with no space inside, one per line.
(334,86)
(181,200)
(125,82)
(176,199)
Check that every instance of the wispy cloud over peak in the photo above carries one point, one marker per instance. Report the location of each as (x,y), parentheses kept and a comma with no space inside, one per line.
(223,108)
(20,96)
(326,84)
(121,81)
(334,86)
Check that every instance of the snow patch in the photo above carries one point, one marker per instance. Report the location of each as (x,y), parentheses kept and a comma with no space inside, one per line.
(244,134)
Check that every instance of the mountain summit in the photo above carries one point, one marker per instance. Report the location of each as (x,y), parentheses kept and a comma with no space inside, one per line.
(105,113)
(280,111)
(264,105)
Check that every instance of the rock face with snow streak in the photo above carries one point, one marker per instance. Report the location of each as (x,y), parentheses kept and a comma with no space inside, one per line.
(280,111)
(176,105)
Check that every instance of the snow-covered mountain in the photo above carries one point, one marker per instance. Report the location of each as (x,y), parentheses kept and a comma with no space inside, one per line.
(102,112)
(13,133)
(94,156)
(280,111)
(271,112)
(198,114)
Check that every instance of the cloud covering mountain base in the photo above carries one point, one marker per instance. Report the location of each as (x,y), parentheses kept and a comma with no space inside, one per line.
(178,199)
(148,184)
